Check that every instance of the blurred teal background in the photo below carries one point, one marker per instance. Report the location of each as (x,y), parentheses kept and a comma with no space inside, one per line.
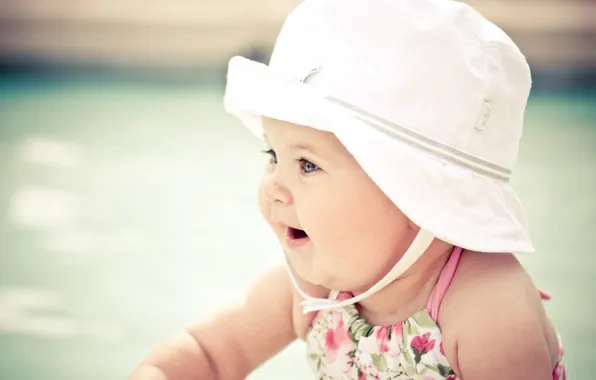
(127,195)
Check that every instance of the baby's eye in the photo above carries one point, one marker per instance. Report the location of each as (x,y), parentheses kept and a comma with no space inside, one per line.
(272,156)
(307,166)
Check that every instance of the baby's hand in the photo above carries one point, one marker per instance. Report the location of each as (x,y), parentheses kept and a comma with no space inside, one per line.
(148,373)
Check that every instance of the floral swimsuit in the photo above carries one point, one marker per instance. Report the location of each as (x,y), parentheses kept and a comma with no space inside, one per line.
(342,345)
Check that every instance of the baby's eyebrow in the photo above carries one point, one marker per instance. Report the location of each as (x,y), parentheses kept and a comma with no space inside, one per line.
(305,146)
(298,145)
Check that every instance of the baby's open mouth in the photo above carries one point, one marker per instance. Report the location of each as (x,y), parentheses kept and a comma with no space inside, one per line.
(295,233)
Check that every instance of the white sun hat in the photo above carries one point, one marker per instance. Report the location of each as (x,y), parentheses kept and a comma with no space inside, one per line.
(427,95)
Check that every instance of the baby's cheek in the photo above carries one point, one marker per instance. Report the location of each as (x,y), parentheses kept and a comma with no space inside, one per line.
(327,238)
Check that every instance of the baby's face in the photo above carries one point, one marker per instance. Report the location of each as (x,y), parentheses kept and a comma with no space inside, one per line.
(338,229)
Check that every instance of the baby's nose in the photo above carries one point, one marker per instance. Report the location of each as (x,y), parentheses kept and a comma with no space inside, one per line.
(275,192)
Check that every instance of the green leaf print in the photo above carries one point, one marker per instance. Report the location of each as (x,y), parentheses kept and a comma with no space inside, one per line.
(415,329)
(359,328)
(424,320)
(410,329)
(313,356)
(380,362)
(356,318)
(444,370)
(417,355)
(408,358)
(410,371)
(432,367)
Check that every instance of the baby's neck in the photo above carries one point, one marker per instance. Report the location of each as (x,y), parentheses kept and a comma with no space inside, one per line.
(407,295)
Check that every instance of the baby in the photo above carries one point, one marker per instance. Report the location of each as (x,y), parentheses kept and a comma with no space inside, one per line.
(392,128)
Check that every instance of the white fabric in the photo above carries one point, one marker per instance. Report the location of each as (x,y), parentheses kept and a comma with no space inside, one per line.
(427,95)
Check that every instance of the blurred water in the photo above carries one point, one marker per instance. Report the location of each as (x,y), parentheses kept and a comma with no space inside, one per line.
(127,209)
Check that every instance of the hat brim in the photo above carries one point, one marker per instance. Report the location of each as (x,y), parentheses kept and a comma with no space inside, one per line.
(456,205)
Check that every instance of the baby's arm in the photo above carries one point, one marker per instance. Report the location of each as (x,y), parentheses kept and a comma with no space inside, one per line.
(495,326)
(234,341)
(507,342)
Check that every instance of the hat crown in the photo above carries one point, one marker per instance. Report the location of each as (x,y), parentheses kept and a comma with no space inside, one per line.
(435,67)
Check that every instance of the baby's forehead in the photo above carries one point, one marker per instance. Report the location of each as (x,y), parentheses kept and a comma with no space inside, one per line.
(300,136)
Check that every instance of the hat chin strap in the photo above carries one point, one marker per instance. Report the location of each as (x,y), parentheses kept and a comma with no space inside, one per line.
(417,248)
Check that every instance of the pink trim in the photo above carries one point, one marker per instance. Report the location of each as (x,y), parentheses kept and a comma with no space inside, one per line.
(440,289)
(543,295)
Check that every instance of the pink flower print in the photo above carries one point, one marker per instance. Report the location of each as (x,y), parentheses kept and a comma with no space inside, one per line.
(383,339)
(335,339)
(385,335)
(397,332)
(422,344)
(451,377)
(344,296)
(361,375)
(441,348)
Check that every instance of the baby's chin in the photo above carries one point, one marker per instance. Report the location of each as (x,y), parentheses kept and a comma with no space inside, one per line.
(306,272)
(305,276)
(307,267)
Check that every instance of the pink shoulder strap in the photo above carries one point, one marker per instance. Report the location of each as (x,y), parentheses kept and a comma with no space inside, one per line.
(440,289)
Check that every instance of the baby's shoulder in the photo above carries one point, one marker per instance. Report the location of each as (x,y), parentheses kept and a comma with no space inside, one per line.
(489,287)
(492,279)
(492,301)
